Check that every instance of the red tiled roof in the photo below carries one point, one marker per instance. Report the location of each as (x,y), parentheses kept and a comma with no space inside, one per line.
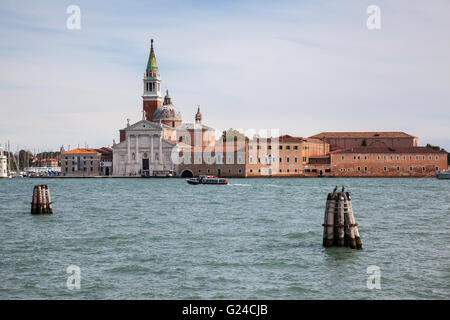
(288,138)
(81,150)
(366,135)
(414,150)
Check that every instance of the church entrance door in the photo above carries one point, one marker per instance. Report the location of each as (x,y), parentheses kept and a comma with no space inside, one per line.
(145,167)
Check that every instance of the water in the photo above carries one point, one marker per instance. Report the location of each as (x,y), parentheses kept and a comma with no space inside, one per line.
(252,239)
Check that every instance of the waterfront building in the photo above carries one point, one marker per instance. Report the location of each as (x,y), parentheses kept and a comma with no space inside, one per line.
(86,162)
(146,146)
(49,162)
(3,164)
(346,140)
(282,156)
(387,162)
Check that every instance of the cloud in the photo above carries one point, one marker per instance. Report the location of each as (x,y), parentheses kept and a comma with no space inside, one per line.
(303,67)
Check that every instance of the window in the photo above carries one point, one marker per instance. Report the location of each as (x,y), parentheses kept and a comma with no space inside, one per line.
(250,147)
(251,170)
(288,147)
(354,157)
(392,158)
(280,147)
(295,159)
(398,158)
(404,158)
(250,160)
(295,170)
(379,157)
(269,147)
(199,170)
(281,159)
(209,170)
(258,147)
(229,170)
(365,168)
(359,168)
(423,157)
(437,157)
(365,157)
(385,168)
(342,158)
(92,169)
(398,168)
(281,170)
(287,170)
(410,168)
(295,147)
(240,170)
(423,168)
(259,170)
(287,159)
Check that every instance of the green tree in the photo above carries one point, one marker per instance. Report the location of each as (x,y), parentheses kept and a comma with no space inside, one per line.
(232,134)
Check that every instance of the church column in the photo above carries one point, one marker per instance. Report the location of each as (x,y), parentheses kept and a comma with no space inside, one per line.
(137,148)
(129,148)
(160,148)
(152,156)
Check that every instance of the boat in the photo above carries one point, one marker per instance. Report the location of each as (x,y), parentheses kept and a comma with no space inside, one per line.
(207,180)
(157,174)
(443,174)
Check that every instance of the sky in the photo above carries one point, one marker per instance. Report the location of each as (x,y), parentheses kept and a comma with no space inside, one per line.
(299,67)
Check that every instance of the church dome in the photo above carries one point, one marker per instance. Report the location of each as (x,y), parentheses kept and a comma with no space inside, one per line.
(168,112)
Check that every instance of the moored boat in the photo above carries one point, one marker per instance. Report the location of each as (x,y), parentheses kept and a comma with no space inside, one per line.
(443,174)
(206,180)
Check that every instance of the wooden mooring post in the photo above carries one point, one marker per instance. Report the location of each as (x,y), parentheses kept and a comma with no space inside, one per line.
(339,227)
(41,202)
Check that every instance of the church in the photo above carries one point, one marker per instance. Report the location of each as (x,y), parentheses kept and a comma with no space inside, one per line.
(149,145)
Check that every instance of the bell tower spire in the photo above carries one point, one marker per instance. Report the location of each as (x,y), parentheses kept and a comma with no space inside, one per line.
(152,98)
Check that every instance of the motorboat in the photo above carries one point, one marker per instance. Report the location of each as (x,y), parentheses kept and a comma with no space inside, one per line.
(207,180)
(443,174)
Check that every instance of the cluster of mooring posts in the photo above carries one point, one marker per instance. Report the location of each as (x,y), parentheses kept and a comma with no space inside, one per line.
(339,227)
(42,201)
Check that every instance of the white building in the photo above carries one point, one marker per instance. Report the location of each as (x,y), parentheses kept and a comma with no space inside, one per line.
(3,164)
(146,146)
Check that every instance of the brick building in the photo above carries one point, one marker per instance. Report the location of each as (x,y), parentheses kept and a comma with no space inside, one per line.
(347,140)
(282,156)
(387,162)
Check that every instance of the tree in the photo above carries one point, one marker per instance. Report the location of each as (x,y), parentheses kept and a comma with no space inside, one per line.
(233,135)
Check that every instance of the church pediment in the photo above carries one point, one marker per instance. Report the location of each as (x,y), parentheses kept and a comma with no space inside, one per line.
(144,125)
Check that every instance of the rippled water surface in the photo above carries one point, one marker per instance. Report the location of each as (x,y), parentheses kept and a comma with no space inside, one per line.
(252,239)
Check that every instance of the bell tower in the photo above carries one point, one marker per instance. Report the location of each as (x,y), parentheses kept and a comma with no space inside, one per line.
(152,98)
